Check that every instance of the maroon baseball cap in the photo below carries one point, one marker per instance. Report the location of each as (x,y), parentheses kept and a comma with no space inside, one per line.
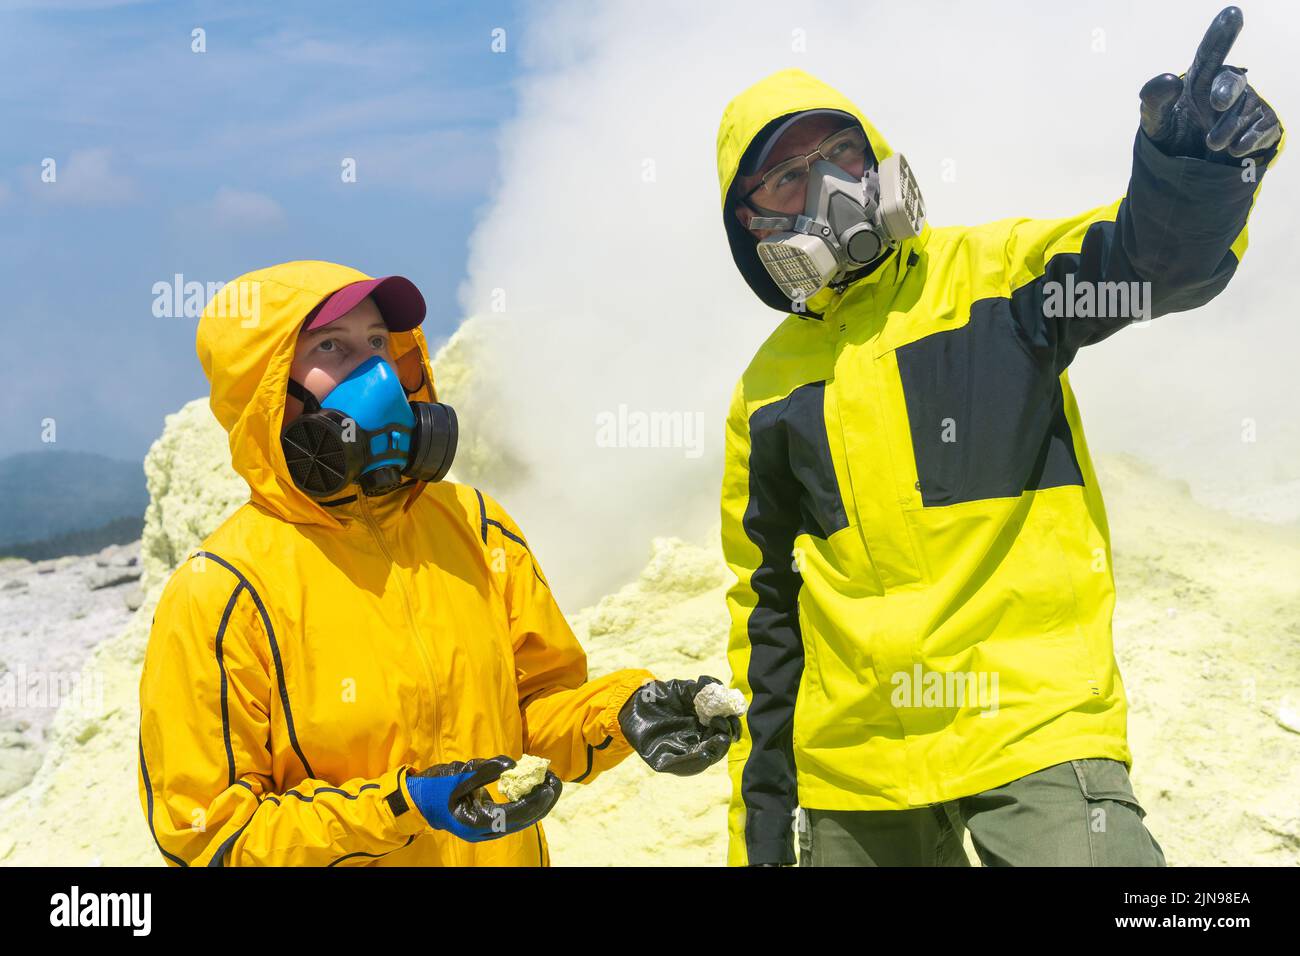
(399,301)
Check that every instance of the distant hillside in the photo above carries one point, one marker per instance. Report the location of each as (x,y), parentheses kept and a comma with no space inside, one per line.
(53,494)
(87,541)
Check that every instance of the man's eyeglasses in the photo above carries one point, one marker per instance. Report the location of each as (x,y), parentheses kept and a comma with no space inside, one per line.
(787,182)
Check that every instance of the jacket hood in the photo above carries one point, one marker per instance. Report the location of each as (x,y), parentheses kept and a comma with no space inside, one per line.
(246,340)
(765,104)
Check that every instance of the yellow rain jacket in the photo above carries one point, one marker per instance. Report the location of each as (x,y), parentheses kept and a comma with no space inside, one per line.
(309,656)
(923,597)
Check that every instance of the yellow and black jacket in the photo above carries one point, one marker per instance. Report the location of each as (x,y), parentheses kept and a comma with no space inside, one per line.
(923,597)
(309,655)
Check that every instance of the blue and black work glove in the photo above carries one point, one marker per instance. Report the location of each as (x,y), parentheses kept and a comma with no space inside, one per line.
(659,721)
(451,797)
(1211,112)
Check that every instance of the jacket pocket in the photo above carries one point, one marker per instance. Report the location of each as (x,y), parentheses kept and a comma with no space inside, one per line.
(1001,571)
(1101,778)
(1116,833)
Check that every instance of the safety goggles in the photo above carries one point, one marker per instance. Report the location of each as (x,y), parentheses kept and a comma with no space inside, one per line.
(787,182)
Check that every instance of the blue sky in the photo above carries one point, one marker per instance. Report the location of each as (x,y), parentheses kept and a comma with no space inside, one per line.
(211,164)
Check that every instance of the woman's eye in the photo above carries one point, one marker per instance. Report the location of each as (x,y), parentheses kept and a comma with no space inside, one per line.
(325,343)
(377,342)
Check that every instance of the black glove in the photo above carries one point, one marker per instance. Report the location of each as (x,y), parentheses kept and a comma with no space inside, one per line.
(659,721)
(451,798)
(1212,112)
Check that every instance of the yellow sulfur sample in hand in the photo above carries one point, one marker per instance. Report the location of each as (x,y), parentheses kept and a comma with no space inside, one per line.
(525,777)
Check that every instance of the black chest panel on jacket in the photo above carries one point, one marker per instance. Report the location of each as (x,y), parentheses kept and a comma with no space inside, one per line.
(985,411)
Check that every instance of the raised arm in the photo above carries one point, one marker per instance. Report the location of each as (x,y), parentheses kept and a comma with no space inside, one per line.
(1176,237)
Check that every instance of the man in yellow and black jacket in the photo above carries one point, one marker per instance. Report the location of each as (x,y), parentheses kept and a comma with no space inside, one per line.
(921,619)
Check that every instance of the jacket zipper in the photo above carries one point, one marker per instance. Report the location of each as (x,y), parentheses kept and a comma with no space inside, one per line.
(415,630)
(837,329)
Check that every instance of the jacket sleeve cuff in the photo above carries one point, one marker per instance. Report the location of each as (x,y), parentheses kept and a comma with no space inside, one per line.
(772,851)
(618,696)
(769,838)
(399,809)
(1189,179)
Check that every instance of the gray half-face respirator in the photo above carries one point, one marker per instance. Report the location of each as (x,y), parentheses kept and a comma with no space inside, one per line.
(847,224)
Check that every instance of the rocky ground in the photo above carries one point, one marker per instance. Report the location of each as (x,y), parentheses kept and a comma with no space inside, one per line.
(52,613)
(1207,634)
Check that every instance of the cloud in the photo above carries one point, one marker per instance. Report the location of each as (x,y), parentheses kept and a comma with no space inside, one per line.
(408,137)
(237,209)
(86,177)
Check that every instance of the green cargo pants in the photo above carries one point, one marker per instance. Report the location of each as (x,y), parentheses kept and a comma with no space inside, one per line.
(1077,813)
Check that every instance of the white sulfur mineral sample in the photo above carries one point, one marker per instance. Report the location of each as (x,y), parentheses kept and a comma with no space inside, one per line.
(715,700)
(525,777)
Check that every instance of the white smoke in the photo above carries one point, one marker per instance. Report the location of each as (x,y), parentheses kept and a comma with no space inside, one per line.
(604,271)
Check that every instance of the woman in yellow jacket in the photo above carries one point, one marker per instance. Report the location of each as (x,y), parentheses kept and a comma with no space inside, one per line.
(346,663)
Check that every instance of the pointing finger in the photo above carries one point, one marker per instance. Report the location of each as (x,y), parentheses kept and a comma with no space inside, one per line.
(1210,54)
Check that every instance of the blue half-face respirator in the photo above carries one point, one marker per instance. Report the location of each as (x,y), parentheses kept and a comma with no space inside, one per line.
(365,430)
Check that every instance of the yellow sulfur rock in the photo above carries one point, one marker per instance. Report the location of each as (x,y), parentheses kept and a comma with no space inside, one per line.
(525,777)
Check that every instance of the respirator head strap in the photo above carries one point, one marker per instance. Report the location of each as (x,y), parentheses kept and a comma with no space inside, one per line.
(309,401)
(779,223)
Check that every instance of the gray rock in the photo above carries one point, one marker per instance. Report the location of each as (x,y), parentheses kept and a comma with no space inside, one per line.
(133,597)
(18,766)
(118,555)
(112,576)
(49,627)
